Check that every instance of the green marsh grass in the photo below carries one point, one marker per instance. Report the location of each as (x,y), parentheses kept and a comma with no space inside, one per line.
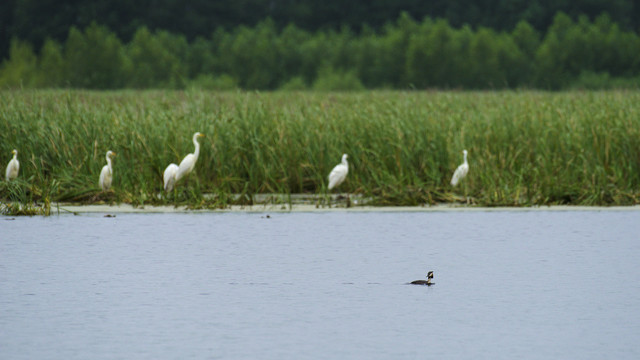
(20,197)
(525,147)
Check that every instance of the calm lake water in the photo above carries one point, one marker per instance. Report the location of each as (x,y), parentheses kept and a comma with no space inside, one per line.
(509,285)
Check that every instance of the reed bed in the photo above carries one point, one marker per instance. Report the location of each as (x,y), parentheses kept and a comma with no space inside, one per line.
(525,147)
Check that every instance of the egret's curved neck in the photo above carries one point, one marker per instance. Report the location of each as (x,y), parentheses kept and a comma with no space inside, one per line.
(465,158)
(109,162)
(197,144)
(15,155)
(345,163)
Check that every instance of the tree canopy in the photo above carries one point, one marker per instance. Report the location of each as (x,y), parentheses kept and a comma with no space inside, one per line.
(36,20)
(404,54)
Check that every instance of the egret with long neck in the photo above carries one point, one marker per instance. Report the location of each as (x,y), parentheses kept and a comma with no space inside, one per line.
(461,171)
(106,175)
(189,162)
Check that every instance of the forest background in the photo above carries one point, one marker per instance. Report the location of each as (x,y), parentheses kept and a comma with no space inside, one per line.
(328,45)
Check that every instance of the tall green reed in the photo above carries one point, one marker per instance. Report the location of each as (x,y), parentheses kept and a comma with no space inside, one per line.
(525,148)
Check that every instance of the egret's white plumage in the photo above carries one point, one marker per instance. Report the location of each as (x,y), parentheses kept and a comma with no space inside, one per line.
(13,167)
(187,164)
(106,175)
(339,173)
(170,177)
(461,171)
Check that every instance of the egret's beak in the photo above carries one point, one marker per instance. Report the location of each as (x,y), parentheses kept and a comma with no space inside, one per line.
(201,135)
(13,152)
(113,154)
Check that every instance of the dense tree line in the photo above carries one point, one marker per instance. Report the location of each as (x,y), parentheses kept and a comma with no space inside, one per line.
(405,53)
(36,20)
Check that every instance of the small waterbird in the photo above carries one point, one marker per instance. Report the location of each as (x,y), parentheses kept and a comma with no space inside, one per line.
(424,282)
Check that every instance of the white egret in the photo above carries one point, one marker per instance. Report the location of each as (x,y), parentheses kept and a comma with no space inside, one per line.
(13,167)
(187,164)
(170,177)
(461,171)
(339,173)
(106,175)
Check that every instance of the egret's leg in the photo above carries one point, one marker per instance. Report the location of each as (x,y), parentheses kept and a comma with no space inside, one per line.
(465,193)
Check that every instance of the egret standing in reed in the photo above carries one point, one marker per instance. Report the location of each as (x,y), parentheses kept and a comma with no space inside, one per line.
(106,175)
(169,177)
(173,173)
(339,174)
(460,173)
(13,167)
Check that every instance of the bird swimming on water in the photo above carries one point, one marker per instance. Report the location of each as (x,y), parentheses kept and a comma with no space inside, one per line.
(424,282)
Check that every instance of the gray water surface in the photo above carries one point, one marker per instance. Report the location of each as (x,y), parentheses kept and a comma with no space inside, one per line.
(524,285)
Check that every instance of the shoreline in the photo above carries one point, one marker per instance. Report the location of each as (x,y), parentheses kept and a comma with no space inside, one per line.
(278,208)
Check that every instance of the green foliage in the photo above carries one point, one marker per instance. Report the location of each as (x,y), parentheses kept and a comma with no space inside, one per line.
(404,54)
(251,56)
(19,197)
(157,60)
(595,81)
(486,69)
(525,148)
(527,40)
(200,57)
(95,58)
(331,80)
(210,82)
(425,54)
(391,62)
(36,20)
(51,69)
(296,83)
(20,69)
